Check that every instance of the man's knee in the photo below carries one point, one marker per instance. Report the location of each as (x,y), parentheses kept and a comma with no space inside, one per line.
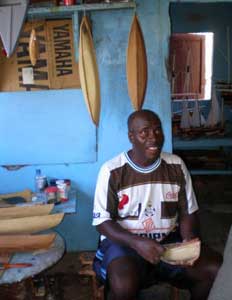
(123,278)
(123,290)
(207,267)
(214,266)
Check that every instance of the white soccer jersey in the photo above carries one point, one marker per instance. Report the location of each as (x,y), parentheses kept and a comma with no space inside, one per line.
(145,201)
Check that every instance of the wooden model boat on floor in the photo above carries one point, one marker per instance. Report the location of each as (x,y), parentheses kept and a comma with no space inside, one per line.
(88,71)
(136,65)
(25,211)
(30,224)
(25,242)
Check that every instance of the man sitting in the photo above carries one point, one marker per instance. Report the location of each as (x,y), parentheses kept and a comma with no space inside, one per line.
(144,199)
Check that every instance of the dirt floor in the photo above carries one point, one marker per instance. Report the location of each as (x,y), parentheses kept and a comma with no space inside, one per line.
(62,281)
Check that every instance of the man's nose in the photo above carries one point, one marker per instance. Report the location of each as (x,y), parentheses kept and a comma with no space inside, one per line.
(152,133)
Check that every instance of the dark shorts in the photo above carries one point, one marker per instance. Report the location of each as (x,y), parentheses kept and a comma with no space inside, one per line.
(162,271)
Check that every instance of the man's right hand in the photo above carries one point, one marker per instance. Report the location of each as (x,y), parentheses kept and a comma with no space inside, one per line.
(149,249)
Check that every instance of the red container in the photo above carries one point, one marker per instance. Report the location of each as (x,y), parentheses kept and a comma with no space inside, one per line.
(69,2)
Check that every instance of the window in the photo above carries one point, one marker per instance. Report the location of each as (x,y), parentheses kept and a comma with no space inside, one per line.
(191,65)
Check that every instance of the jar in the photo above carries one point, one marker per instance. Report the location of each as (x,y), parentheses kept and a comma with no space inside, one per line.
(51,193)
(62,192)
(68,183)
(59,181)
(69,2)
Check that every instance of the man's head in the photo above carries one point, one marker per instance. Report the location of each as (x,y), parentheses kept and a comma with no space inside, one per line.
(146,136)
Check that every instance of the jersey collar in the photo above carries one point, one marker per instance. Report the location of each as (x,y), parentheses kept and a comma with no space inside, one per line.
(148,169)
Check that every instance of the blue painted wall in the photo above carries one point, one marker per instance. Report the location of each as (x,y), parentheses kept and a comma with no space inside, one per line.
(110,31)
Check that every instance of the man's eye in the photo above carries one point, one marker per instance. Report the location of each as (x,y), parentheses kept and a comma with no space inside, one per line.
(144,131)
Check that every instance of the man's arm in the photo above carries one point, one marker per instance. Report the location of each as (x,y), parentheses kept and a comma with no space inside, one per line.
(189,229)
(149,249)
(189,226)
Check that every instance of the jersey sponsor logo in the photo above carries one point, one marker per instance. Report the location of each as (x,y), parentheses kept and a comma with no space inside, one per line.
(148,225)
(96,215)
(132,215)
(158,236)
(123,201)
(172,195)
(149,211)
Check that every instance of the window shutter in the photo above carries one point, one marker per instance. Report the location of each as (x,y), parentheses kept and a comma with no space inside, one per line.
(187,66)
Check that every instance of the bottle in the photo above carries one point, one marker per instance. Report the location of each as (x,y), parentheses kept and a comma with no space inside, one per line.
(40,185)
(37,176)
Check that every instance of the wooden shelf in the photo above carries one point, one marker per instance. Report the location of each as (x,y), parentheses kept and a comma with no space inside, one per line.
(211,172)
(68,11)
(73,12)
(202,143)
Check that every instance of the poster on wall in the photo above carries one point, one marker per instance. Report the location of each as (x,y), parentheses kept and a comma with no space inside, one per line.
(55,66)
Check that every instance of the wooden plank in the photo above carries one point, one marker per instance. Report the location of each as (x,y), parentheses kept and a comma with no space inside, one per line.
(67,11)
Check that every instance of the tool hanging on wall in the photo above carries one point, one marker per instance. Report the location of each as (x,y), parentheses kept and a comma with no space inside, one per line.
(136,65)
(88,71)
(33,47)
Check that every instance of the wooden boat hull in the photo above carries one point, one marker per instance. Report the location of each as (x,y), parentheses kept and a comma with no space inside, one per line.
(25,242)
(136,65)
(88,71)
(181,252)
(25,211)
(30,224)
(26,195)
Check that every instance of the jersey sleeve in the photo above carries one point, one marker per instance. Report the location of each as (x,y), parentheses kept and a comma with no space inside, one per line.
(192,205)
(100,213)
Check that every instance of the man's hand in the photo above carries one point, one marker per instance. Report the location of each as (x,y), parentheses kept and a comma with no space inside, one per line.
(149,249)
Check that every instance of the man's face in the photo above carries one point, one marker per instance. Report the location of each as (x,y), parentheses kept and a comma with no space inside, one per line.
(146,136)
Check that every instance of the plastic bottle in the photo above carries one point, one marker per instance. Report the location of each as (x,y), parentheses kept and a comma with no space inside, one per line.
(37,176)
(40,185)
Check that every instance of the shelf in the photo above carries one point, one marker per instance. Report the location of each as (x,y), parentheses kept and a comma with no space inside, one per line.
(197,148)
(202,143)
(73,12)
(211,172)
(68,11)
